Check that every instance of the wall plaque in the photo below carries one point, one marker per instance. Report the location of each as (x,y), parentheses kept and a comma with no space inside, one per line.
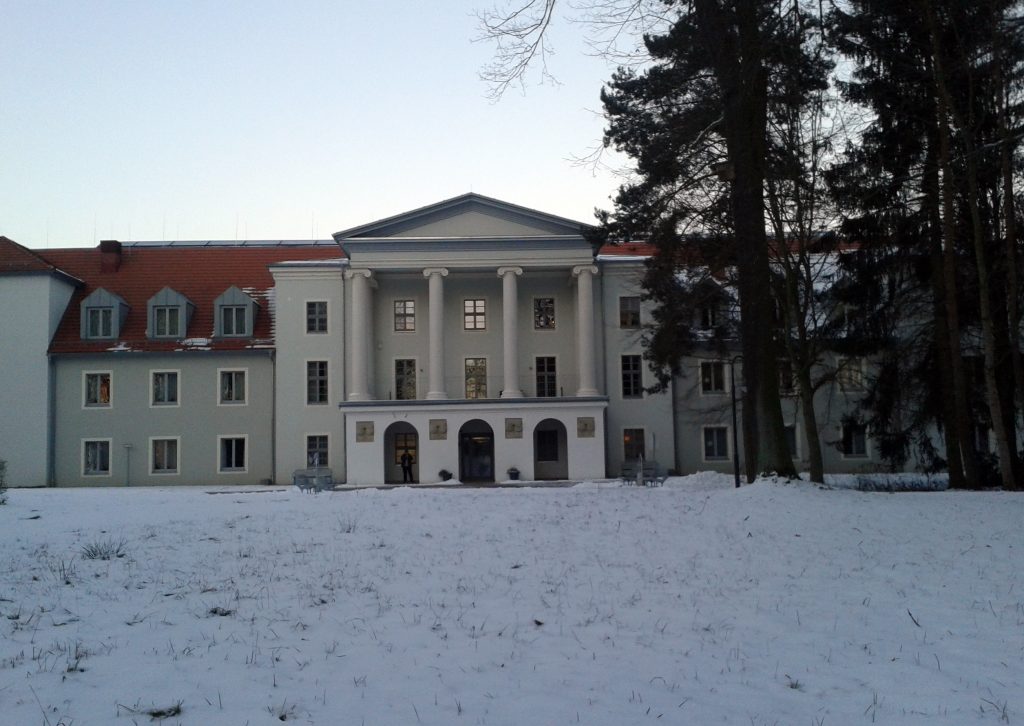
(585,427)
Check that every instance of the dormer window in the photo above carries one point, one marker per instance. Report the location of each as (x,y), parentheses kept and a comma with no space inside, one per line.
(236,313)
(232,320)
(103,314)
(169,314)
(100,322)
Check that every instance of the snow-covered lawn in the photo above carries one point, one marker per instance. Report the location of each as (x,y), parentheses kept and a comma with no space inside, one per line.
(689,604)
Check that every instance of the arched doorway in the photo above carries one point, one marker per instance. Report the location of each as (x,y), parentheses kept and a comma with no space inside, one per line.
(550,450)
(476,452)
(400,437)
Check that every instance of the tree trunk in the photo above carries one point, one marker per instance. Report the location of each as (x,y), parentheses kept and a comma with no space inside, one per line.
(1005,435)
(742,78)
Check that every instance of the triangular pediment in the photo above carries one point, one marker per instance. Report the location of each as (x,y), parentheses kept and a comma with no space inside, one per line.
(466,216)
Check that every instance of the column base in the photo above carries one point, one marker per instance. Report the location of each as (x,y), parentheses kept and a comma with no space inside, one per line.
(514,393)
(587,392)
(360,397)
(437,396)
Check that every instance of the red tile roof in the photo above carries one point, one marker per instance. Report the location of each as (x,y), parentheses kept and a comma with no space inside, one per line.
(199,273)
(629,249)
(15,258)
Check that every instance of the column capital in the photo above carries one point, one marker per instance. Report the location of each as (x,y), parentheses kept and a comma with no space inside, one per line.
(359,272)
(580,269)
(517,271)
(442,271)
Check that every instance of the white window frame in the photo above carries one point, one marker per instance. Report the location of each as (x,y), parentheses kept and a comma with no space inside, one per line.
(85,391)
(639,312)
(415,371)
(622,388)
(728,444)
(305,387)
(725,377)
(152,394)
(89,310)
(221,309)
(177,456)
(856,364)
(305,450)
(232,404)
(415,315)
(854,457)
(327,317)
(486,313)
(557,370)
(110,458)
(229,472)
(157,309)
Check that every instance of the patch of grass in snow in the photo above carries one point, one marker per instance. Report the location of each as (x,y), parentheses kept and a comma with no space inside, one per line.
(105,549)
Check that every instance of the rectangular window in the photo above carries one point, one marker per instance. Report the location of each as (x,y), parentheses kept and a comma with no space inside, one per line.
(100,322)
(547,445)
(97,390)
(403,443)
(405,316)
(633,444)
(232,387)
(716,443)
(166,322)
(708,317)
(96,458)
(316,450)
(791,442)
(544,313)
(316,317)
(163,456)
(232,454)
(165,388)
(474,314)
(850,374)
(712,377)
(855,441)
(405,379)
(476,378)
(316,382)
(547,379)
(632,378)
(629,312)
(232,320)
(786,381)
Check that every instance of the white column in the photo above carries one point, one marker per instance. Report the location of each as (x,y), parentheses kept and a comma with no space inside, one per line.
(510,329)
(359,381)
(435,281)
(584,275)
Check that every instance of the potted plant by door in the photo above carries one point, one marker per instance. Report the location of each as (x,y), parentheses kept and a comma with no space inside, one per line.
(513,473)
(444,474)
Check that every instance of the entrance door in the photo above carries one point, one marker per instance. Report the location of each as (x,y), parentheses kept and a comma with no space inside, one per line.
(476,452)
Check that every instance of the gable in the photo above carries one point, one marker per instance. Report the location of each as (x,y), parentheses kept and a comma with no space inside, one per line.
(468,216)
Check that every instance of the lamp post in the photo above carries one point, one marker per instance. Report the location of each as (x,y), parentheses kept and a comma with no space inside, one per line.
(735,437)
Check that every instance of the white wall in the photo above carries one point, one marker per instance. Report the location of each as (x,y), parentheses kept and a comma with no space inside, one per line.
(31,306)
(295,286)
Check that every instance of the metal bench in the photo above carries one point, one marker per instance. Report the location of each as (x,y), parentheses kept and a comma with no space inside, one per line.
(315,479)
(642,473)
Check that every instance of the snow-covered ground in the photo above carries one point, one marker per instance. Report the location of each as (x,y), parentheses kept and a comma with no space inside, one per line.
(694,603)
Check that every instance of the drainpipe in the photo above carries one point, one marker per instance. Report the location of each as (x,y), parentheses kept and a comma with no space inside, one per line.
(273,417)
(51,421)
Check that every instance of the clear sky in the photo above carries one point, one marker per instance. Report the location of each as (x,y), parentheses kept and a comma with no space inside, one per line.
(289,120)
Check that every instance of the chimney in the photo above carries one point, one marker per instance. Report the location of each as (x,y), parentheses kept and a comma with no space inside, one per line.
(110,255)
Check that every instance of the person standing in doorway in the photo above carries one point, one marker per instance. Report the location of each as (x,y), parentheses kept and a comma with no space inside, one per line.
(407,462)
